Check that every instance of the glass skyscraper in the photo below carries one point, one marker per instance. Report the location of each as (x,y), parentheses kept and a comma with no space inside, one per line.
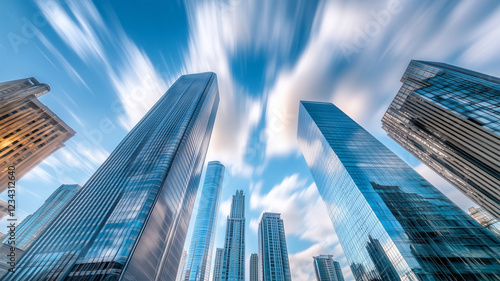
(449,118)
(273,253)
(202,241)
(129,221)
(219,259)
(254,267)
(327,269)
(33,225)
(233,262)
(392,224)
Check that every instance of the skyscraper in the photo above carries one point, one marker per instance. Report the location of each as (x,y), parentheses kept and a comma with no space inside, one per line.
(449,118)
(327,269)
(29,130)
(181,273)
(389,220)
(233,263)
(219,259)
(254,267)
(273,253)
(33,225)
(202,241)
(485,220)
(4,209)
(129,221)
(338,271)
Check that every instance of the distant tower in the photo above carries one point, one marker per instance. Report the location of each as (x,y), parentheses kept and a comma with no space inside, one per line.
(181,273)
(327,269)
(233,265)
(392,224)
(129,220)
(449,118)
(273,254)
(202,241)
(33,225)
(219,259)
(254,267)
(29,131)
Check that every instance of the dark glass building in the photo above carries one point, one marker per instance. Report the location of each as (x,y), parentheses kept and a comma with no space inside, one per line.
(233,262)
(202,241)
(327,269)
(392,224)
(129,221)
(273,253)
(254,267)
(449,118)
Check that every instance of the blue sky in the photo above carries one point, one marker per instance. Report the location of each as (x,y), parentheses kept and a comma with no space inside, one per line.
(108,62)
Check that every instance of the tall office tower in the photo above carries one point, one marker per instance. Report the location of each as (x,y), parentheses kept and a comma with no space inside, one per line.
(273,254)
(219,259)
(233,263)
(129,221)
(327,269)
(30,131)
(33,225)
(202,241)
(181,273)
(449,118)
(392,224)
(485,219)
(254,267)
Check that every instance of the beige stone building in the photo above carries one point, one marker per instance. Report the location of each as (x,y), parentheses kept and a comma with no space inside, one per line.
(29,131)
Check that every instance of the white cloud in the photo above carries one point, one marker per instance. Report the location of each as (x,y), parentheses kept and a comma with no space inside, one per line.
(80,34)
(39,174)
(136,82)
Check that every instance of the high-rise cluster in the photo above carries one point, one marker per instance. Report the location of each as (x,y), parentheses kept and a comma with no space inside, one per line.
(129,221)
(392,223)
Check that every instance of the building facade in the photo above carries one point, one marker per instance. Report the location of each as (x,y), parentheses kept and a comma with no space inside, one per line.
(273,254)
(392,224)
(233,263)
(202,241)
(449,118)
(254,267)
(485,219)
(30,131)
(33,225)
(4,209)
(181,273)
(129,221)
(338,271)
(219,259)
(327,269)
